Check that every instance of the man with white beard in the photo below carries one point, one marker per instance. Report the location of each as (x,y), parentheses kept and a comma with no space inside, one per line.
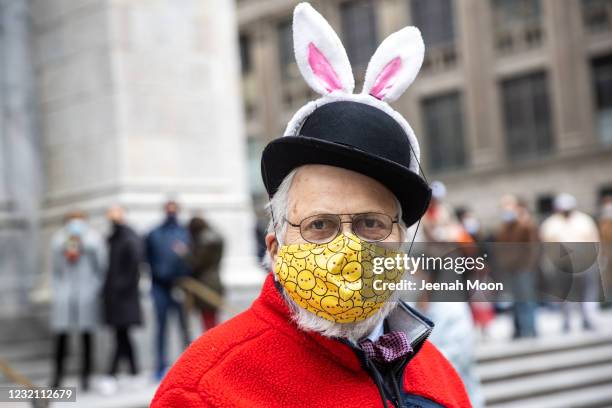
(344,185)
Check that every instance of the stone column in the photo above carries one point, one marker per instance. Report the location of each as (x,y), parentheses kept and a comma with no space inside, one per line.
(141,101)
(484,133)
(265,67)
(3,170)
(570,80)
(19,160)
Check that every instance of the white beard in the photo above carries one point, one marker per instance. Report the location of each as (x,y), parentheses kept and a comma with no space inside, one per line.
(353,332)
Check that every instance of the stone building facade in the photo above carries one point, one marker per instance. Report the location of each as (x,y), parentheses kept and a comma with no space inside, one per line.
(515,96)
(106,101)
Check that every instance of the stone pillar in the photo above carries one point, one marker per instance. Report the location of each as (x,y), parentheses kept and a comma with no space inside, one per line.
(484,132)
(141,101)
(570,79)
(265,66)
(19,160)
(3,169)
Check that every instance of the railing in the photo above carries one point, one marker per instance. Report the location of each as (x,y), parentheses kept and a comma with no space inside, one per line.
(597,16)
(15,377)
(518,37)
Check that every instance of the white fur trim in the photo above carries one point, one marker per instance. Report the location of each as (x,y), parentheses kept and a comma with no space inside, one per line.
(296,122)
(310,27)
(407,44)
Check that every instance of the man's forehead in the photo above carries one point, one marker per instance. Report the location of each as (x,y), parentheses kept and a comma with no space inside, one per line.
(322,175)
(320,189)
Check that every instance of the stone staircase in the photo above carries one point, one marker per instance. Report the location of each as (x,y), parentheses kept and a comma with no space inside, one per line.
(554,371)
(27,345)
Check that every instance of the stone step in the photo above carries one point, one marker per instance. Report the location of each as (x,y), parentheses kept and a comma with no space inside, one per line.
(548,383)
(26,350)
(25,328)
(128,399)
(37,371)
(556,360)
(599,396)
(493,351)
(128,395)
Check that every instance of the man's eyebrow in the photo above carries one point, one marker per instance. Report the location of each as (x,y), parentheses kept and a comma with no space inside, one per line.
(320,211)
(315,211)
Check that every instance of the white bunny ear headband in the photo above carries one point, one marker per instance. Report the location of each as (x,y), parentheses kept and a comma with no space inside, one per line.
(325,66)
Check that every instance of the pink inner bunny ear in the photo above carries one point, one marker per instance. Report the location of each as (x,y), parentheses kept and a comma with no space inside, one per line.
(384,80)
(322,69)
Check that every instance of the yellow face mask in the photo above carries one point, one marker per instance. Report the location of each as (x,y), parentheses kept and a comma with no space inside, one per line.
(335,281)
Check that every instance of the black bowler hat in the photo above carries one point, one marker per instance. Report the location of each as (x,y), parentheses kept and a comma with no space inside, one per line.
(357,137)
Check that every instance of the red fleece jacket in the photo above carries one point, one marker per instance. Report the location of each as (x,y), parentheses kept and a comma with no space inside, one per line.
(261,358)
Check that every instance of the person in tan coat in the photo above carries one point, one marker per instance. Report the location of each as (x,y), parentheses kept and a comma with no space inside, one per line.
(605,231)
(568,225)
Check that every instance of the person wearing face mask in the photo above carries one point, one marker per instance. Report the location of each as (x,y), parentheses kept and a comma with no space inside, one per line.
(121,297)
(482,310)
(470,224)
(165,247)
(439,223)
(454,335)
(344,187)
(517,259)
(570,225)
(78,268)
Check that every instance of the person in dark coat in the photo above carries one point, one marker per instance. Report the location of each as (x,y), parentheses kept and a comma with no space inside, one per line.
(165,247)
(121,298)
(204,258)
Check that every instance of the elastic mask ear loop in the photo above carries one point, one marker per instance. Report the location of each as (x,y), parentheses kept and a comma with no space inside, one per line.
(414,237)
(274,225)
(276,282)
(424,178)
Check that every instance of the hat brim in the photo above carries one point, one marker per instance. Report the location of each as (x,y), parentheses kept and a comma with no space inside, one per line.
(284,154)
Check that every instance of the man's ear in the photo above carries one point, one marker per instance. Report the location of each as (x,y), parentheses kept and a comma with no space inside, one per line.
(271,244)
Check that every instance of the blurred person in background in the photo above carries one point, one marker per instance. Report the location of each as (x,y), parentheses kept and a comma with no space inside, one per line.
(165,247)
(470,223)
(454,336)
(517,260)
(204,260)
(121,296)
(482,309)
(454,323)
(343,183)
(605,231)
(572,226)
(439,223)
(78,268)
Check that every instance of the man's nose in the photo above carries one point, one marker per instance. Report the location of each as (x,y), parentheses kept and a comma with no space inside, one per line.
(346,227)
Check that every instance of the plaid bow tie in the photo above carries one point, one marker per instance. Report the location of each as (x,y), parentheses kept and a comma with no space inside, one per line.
(389,347)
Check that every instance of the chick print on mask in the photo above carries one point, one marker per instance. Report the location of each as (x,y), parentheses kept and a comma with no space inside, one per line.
(335,281)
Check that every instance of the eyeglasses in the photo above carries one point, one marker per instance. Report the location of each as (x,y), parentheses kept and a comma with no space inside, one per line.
(323,228)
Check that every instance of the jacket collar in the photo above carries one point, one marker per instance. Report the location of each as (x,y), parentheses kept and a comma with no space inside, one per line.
(271,307)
